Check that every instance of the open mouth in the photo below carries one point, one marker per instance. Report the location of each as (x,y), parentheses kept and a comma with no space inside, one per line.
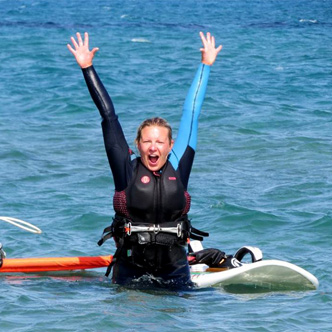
(153,159)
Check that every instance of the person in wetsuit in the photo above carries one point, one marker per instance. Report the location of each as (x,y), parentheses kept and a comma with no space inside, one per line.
(151,201)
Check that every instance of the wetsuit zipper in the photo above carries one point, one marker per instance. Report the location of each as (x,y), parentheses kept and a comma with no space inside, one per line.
(158,198)
(158,209)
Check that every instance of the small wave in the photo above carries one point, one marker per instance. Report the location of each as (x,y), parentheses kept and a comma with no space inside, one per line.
(279,68)
(302,20)
(140,40)
(322,223)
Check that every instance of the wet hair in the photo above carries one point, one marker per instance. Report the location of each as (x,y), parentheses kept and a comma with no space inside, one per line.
(160,122)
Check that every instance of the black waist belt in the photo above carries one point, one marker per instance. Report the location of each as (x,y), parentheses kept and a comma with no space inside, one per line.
(167,233)
(123,227)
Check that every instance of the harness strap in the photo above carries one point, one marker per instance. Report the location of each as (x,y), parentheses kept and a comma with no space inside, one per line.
(118,251)
(107,234)
(123,228)
(2,254)
(196,234)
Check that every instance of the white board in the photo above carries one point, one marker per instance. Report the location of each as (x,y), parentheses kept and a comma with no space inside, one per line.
(269,275)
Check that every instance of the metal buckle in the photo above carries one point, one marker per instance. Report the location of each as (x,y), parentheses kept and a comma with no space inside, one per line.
(179,230)
(128,226)
(156,231)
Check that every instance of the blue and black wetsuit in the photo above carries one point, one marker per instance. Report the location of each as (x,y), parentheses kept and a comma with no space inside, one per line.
(146,197)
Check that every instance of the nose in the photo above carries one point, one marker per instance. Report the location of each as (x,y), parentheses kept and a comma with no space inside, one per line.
(153,147)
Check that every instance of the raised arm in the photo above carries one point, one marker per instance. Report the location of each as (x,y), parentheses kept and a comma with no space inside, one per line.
(116,146)
(84,58)
(183,152)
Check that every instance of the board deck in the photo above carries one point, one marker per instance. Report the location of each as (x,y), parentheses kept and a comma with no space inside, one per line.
(269,275)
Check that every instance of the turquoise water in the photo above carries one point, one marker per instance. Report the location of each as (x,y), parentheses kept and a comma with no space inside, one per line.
(262,174)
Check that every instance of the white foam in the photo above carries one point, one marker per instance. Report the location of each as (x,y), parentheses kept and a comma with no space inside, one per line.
(140,40)
(306,20)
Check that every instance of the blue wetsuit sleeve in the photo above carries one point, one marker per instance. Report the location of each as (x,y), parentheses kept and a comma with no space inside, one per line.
(117,149)
(183,152)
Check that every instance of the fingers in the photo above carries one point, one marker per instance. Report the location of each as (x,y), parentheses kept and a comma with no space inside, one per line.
(219,49)
(80,43)
(208,41)
(208,37)
(209,50)
(74,42)
(71,49)
(201,34)
(79,38)
(94,50)
(213,42)
(86,39)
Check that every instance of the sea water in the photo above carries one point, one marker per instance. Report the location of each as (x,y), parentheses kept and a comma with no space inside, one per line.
(262,174)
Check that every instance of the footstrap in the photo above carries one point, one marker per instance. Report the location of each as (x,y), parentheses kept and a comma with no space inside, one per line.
(255,253)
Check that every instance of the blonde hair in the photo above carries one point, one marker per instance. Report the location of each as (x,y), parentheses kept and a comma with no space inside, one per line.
(153,122)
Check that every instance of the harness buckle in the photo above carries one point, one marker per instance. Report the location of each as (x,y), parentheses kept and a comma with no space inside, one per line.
(156,230)
(127,228)
(179,230)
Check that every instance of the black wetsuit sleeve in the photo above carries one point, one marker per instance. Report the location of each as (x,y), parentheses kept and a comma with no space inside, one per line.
(117,149)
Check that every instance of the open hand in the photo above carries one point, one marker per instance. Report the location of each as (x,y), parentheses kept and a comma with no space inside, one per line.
(209,50)
(81,50)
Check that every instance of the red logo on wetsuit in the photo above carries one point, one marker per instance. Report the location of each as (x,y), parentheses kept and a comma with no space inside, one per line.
(145,179)
(172,178)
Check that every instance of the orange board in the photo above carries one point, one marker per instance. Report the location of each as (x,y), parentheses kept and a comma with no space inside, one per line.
(43,264)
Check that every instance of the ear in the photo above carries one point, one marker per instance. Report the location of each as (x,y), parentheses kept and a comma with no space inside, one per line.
(138,146)
(172,144)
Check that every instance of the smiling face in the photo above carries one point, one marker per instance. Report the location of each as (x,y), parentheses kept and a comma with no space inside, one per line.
(154,147)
